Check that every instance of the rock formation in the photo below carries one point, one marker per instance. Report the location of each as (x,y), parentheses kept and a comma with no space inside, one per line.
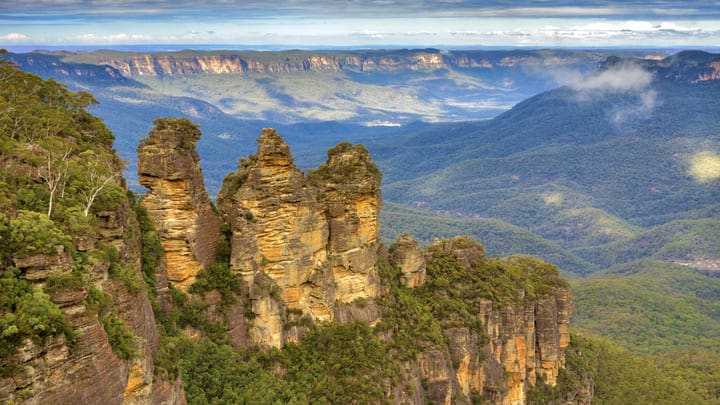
(518,341)
(303,243)
(241,63)
(406,255)
(179,206)
(88,371)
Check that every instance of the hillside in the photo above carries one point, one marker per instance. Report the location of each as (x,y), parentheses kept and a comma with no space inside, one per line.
(500,237)
(588,165)
(667,312)
(284,291)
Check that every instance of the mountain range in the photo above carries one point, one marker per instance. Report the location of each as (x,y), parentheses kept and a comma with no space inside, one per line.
(624,161)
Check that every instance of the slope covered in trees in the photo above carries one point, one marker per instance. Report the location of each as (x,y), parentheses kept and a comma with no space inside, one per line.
(589,166)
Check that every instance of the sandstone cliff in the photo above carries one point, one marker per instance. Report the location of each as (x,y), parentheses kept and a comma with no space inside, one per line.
(179,206)
(229,62)
(91,370)
(518,339)
(304,244)
(76,280)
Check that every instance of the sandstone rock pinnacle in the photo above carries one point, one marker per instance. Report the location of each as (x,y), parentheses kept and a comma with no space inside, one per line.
(177,203)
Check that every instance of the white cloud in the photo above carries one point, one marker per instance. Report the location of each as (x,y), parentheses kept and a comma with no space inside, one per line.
(625,30)
(626,79)
(617,79)
(642,108)
(14,36)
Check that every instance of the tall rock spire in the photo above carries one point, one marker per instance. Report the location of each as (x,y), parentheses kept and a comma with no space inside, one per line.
(179,206)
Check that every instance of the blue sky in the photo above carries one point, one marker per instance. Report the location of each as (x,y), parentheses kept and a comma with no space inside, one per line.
(587,23)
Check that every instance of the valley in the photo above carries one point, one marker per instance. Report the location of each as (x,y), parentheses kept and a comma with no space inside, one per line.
(605,163)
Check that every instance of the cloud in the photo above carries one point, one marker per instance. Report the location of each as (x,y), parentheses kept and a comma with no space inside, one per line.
(379,34)
(617,79)
(562,76)
(626,85)
(643,107)
(14,36)
(119,38)
(376,8)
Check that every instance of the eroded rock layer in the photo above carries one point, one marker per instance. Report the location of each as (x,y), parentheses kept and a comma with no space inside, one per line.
(518,340)
(88,370)
(179,206)
(304,243)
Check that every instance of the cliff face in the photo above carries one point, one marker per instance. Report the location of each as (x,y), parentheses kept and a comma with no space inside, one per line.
(183,63)
(349,187)
(688,66)
(88,370)
(179,206)
(75,313)
(518,340)
(302,244)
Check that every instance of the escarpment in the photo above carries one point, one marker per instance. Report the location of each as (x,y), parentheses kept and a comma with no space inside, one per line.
(312,238)
(77,323)
(108,353)
(179,206)
(305,248)
(243,63)
(501,333)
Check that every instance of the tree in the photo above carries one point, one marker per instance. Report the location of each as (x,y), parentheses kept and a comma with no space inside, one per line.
(99,172)
(54,172)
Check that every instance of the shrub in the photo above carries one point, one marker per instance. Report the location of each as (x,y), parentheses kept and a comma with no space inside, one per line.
(74,280)
(33,233)
(152,250)
(121,338)
(125,273)
(28,313)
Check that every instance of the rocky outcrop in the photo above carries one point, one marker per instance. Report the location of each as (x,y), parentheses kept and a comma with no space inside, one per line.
(528,340)
(303,243)
(408,257)
(518,342)
(349,189)
(88,371)
(179,206)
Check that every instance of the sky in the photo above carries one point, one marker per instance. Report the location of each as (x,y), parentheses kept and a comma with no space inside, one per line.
(324,23)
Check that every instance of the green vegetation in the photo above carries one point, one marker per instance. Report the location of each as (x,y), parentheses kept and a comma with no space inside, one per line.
(347,166)
(408,317)
(334,364)
(219,277)
(32,233)
(26,313)
(125,273)
(559,168)
(122,340)
(73,281)
(668,313)
(619,377)
(152,250)
(650,307)
(350,363)
(454,290)
(682,240)
(500,238)
(58,171)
